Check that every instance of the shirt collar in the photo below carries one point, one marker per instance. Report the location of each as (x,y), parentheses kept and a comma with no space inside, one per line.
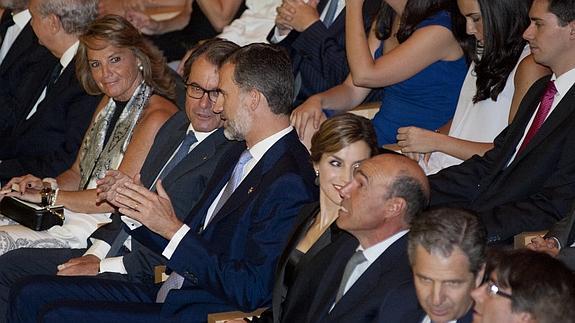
(564,82)
(22,18)
(68,55)
(200,136)
(373,252)
(259,149)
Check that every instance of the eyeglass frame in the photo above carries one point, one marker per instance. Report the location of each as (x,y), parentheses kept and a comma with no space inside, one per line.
(212,94)
(493,289)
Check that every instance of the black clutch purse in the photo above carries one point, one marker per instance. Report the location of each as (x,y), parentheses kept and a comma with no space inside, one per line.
(32,215)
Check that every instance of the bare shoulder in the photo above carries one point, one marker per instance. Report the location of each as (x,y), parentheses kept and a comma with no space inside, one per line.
(528,71)
(159,110)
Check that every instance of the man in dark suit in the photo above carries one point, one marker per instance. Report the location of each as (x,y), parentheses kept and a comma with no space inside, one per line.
(446,250)
(223,255)
(24,63)
(314,35)
(184,183)
(365,276)
(527,181)
(46,138)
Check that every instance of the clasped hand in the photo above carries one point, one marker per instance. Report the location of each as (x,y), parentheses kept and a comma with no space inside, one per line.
(296,14)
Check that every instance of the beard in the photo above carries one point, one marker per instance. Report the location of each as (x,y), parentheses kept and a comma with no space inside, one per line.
(237,128)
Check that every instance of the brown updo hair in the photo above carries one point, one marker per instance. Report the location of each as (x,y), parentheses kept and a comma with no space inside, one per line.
(117,31)
(341,131)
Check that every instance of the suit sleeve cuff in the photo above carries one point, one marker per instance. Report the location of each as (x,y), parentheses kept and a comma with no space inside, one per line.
(176,239)
(99,248)
(113,265)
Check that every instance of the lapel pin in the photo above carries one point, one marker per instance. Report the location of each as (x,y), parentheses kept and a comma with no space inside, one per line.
(251,190)
(205,157)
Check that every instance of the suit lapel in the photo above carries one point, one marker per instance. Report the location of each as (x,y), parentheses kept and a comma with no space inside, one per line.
(556,118)
(21,45)
(368,280)
(251,183)
(198,156)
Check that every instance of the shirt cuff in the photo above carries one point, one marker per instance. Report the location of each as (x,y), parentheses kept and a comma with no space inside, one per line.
(176,239)
(113,265)
(276,37)
(557,242)
(99,248)
(131,223)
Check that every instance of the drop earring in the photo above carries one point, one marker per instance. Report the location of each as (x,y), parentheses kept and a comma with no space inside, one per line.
(316,181)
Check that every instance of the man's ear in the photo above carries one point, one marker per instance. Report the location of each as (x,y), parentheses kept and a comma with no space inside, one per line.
(54,23)
(479,277)
(396,206)
(253,98)
(572,30)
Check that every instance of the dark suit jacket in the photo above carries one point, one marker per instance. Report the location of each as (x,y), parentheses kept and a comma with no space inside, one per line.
(318,53)
(535,190)
(47,144)
(230,265)
(283,280)
(384,293)
(467,318)
(184,184)
(564,232)
(24,69)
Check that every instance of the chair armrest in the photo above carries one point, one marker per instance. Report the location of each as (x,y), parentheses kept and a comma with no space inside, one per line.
(224,316)
(367,110)
(522,239)
(160,274)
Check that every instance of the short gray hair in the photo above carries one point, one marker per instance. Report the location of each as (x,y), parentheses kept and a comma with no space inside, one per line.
(442,229)
(75,15)
(14,4)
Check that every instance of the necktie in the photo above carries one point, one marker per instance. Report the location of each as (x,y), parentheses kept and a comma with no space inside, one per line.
(7,22)
(330,13)
(175,280)
(353,262)
(542,112)
(54,76)
(180,154)
(234,181)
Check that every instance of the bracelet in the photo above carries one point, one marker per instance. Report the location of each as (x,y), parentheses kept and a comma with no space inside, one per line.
(53,196)
(45,195)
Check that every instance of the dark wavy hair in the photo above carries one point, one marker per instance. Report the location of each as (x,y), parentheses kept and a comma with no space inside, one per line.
(415,12)
(117,31)
(502,44)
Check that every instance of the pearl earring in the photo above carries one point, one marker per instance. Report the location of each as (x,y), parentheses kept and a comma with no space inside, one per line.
(140,67)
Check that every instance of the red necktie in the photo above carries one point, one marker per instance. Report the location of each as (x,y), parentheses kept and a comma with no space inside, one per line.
(542,112)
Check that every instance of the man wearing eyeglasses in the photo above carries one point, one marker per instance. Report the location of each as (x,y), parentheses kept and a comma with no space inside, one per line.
(446,250)
(183,177)
(525,286)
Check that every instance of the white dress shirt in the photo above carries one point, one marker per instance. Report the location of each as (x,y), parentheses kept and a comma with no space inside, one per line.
(254,24)
(20,21)
(257,152)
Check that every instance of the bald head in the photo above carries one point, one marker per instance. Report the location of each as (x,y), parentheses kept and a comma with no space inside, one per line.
(386,192)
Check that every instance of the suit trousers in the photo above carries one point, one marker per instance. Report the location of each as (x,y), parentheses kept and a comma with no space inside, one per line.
(70,299)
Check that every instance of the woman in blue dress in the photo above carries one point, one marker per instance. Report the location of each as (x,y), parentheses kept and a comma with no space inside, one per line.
(412,52)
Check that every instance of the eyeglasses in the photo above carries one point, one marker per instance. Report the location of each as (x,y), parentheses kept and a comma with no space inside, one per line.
(493,290)
(193,90)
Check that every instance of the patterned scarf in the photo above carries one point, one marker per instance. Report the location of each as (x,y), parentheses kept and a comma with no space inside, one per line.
(95,159)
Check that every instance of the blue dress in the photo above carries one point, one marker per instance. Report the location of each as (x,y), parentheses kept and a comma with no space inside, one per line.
(427,99)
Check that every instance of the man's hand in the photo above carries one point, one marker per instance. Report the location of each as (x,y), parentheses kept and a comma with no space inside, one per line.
(546,245)
(296,14)
(155,211)
(144,23)
(88,265)
(107,188)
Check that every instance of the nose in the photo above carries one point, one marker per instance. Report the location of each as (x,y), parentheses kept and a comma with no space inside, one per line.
(470,27)
(217,107)
(479,293)
(105,70)
(437,294)
(528,33)
(205,102)
(346,190)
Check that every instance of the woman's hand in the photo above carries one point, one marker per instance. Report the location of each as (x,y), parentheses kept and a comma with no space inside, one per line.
(309,111)
(26,187)
(143,22)
(416,140)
